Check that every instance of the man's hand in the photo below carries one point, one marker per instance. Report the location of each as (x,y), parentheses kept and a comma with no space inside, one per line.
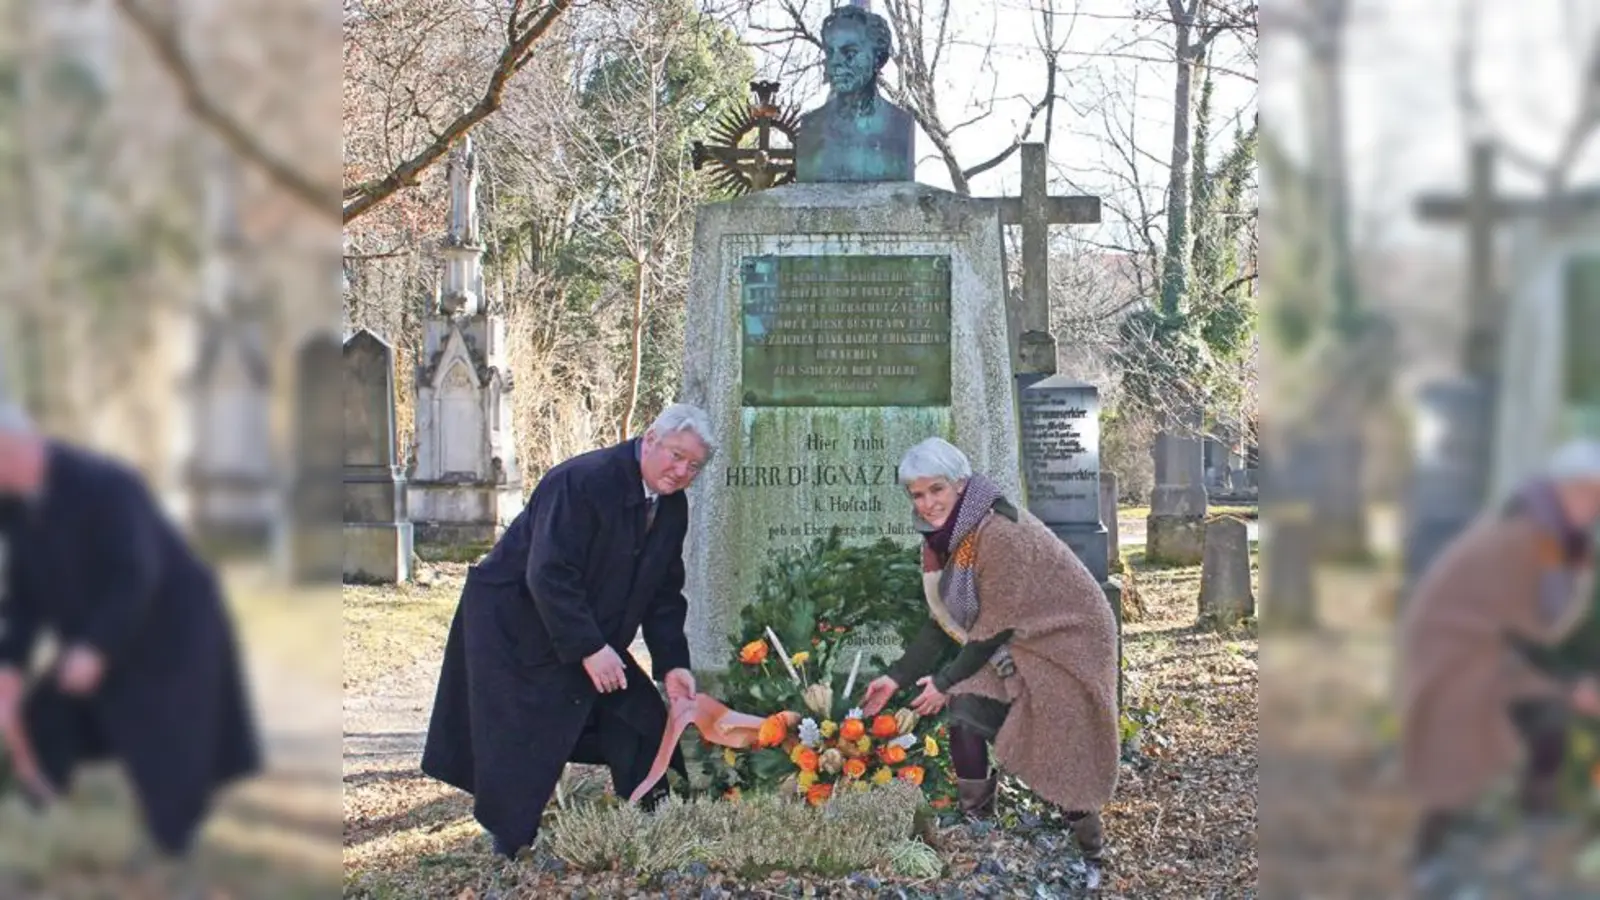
(1586,697)
(606,671)
(930,701)
(878,694)
(80,670)
(680,685)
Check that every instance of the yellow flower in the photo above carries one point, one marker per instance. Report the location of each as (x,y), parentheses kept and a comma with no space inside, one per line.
(882,776)
(794,755)
(930,747)
(800,658)
(864,745)
(730,757)
(829,728)
(858,785)
(807,779)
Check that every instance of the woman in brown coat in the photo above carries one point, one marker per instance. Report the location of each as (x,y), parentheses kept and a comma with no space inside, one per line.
(1037,673)
(1472,703)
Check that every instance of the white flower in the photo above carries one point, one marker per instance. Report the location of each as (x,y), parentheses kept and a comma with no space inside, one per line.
(855,713)
(810,733)
(904,741)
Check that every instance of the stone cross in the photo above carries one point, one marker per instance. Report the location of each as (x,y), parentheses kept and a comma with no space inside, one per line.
(1033,346)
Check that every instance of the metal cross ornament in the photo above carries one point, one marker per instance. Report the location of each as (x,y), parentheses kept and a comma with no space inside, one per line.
(741,169)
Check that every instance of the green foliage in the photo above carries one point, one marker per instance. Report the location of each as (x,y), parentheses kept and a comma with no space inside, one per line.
(818,600)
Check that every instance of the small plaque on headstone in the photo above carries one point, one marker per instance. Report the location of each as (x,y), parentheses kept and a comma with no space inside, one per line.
(1061,450)
(846,331)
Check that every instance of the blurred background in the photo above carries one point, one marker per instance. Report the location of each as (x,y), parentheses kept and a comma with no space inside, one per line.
(1431,221)
(169,294)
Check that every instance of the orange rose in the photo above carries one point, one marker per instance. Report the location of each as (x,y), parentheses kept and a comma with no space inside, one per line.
(773,731)
(807,760)
(819,794)
(753,653)
(912,774)
(885,727)
(852,730)
(855,768)
(893,754)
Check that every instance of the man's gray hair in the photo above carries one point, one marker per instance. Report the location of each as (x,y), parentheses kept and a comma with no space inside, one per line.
(934,458)
(14,419)
(685,417)
(1576,461)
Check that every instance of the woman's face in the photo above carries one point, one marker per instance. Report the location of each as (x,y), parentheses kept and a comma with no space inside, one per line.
(934,498)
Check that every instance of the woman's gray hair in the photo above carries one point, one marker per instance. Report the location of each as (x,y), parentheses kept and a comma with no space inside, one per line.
(684,417)
(1576,461)
(934,458)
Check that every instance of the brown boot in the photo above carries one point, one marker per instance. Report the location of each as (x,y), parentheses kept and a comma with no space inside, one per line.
(977,795)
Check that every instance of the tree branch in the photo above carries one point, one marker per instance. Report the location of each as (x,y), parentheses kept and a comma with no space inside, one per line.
(366,195)
(164,43)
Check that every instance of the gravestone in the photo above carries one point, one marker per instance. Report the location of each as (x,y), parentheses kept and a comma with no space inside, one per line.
(1225,592)
(830,328)
(1288,573)
(1110,508)
(1060,427)
(232,474)
(466,486)
(1176,526)
(377,534)
(308,538)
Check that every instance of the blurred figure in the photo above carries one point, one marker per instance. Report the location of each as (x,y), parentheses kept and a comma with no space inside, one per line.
(536,669)
(1036,675)
(1472,700)
(146,670)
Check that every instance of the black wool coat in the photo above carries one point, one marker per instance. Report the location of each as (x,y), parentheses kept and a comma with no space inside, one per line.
(94,560)
(575,572)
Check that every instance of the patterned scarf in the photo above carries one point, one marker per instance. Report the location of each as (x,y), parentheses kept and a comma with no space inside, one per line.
(1567,547)
(958,584)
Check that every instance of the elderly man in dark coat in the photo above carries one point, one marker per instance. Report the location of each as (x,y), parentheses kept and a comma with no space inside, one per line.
(536,668)
(146,670)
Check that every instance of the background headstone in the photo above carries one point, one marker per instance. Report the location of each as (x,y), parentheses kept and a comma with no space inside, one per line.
(1060,428)
(1177,522)
(377,535)
(309,533)
(1110,503)
(1225,592)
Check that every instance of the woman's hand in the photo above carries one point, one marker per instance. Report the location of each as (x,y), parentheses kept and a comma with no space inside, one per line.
(931,700)
(878,694)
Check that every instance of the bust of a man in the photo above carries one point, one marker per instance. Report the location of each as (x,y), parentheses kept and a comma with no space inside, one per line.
(856,135)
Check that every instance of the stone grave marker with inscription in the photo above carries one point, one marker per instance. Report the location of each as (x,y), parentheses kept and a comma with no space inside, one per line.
(377,533)
(1061,465)
(831,327)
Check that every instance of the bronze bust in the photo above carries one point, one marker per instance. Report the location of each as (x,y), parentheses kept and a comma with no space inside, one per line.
(857,135)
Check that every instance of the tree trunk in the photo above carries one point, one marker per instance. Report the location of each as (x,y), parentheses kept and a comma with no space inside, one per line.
(1174,276)
(636,364)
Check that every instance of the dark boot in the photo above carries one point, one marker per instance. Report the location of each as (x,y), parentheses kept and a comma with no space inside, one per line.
(1090,833)
(977,795)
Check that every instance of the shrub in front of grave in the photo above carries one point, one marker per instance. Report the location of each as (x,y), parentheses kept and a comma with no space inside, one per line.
(760,834)
(825,619)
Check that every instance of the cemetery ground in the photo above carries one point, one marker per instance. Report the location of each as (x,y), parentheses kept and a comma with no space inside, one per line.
(1182,824)
(270,838)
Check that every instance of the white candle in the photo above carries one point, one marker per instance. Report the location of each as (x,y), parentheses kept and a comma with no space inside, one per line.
(850,682)
(782,654)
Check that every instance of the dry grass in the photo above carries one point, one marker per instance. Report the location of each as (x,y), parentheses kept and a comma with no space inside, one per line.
(391,629)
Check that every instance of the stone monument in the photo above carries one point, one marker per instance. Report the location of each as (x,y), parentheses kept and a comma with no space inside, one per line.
(377,534)
(308,535)
(1060,427)
(465,487)
(833,323)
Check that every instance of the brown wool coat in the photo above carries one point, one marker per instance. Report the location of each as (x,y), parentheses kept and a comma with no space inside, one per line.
(1457,673)
(1061,734)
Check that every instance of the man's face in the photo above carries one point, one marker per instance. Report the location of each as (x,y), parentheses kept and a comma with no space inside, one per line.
(851,64)
(669,464)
